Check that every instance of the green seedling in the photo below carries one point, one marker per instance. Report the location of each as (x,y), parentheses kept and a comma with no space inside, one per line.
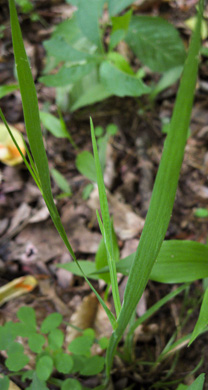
(46,345)
(2,28)
(7,89)
(94,72)
(56,126)
(85,161)
(201,213)
(152,239)
(27,7)
(62,183)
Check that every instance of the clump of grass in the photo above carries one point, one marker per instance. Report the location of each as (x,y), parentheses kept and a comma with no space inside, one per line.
(163,195)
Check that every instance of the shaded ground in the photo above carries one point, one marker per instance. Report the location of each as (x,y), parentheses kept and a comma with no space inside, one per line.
(29,243)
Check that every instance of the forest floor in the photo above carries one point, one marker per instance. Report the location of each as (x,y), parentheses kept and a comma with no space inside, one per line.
(29,244)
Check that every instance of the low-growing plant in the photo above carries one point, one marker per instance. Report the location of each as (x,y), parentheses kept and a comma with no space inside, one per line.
(81,65)
(48,350)
(165,261)
(27,7)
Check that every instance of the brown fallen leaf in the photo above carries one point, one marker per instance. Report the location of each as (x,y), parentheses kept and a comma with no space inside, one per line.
(127,224)
(89,314)
(83,317)
(16,288)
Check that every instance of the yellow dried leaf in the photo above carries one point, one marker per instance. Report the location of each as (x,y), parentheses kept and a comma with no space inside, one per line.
(16,288)
(191,23)
(9,154)
(13,386)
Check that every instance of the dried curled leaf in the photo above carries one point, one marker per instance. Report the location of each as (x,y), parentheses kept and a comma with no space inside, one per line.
(9,154)
(16,288)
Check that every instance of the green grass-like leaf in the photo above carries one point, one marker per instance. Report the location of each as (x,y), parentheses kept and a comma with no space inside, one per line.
(32,122)
(202,322)
(107,228)
(163,195)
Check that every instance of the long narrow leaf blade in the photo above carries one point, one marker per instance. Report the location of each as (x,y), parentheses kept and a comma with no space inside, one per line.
(32,122)
(107,228)
(202,322)
(164,191)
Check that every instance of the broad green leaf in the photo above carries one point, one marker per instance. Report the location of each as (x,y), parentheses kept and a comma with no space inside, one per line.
(93,365)
(198,384)
(78,363)
(163,194)
(4,383)
(116,37)
(182,387)
(86,165)
(27,316)
(63,363)
(81,345)
(44,368)
(62,51)
(188,256)
(121,22)
(67,75)
(180,261)
(23,330)
(7,335)
(116,6)
(61,182)
(37,384)
(55,339)
(74,2)
(202,322)
(103,342)
(120,26)
(120,62)
(155,42)
(96,93)
(69,30)
(27,375)
(52,321)
(70,384)
(36,342)
(53,124)
(7,89)
(16,360)
(88,267)
(168,78)
(88,15)
(120,83)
